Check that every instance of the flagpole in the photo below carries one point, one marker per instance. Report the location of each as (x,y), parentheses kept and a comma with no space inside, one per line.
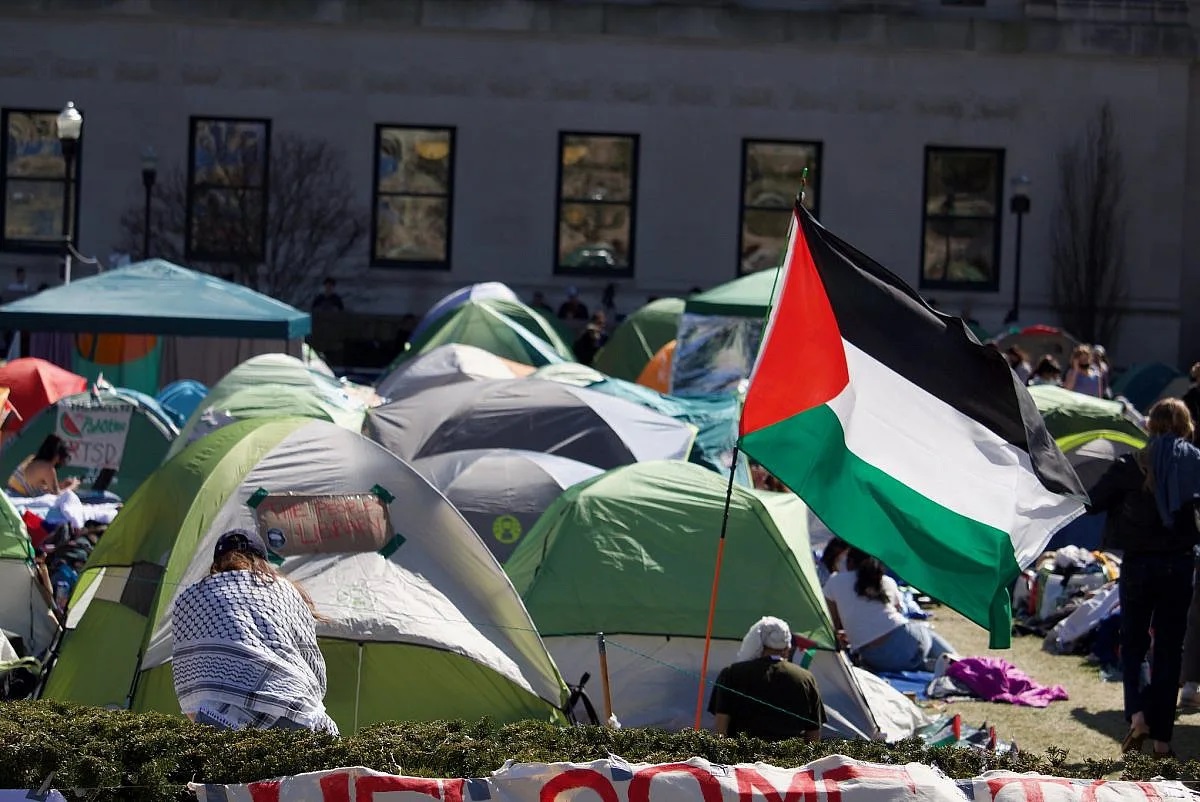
(712,600)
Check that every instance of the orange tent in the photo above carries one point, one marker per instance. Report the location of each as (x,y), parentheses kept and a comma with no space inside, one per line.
(35,384)
(657,373)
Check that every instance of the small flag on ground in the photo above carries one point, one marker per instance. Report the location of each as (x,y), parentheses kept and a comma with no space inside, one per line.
(902,433)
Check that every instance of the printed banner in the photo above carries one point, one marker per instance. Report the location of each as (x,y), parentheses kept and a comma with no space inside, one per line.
(831,779)
(95,435)
(292,525)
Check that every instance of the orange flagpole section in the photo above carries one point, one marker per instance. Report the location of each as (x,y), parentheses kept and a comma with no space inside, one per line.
(712,611)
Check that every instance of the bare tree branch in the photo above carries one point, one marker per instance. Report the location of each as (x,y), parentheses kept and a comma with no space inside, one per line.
(1088,236)
(312,222)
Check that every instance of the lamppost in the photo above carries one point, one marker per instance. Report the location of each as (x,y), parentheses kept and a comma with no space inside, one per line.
(70,127)
(1019,206)
(149,174)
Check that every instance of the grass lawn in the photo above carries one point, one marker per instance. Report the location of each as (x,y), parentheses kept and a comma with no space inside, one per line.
(1088,725)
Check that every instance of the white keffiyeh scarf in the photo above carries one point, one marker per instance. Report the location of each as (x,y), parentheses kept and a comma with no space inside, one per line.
(246,655)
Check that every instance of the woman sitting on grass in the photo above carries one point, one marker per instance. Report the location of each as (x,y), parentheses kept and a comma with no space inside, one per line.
(866,608)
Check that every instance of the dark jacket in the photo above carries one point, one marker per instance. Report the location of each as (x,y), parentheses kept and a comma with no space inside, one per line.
(1134,525)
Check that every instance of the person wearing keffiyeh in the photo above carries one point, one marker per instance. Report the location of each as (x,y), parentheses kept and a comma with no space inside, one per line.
(245,649)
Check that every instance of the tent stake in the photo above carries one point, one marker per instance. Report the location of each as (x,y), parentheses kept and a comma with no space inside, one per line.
(712,602)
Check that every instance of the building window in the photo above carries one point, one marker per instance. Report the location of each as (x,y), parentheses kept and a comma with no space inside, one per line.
(960,246)
(34,181)
(228,165)
(771,177)
(597,204)
(414,191)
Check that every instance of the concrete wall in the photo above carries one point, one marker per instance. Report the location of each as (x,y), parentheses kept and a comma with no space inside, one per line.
(692,81)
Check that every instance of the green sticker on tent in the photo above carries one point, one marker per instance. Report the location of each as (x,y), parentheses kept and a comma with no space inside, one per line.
(257,498)
(392,545)
(383,494)
(273,558)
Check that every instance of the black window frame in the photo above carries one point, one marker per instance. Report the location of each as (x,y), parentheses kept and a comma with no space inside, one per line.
(413,264)
(814,181)
(619,272)
(13,245)
(191,252)
(996,218)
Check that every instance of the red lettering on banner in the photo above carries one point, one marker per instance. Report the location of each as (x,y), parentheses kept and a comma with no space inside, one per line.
(572,779)
(1031,787)
(1091,793)
(365,788)
(336,787)
(802,788)
(639,786)
(266,791)
(863,771)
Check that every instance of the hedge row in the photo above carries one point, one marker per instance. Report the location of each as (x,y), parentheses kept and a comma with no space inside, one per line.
(100,755)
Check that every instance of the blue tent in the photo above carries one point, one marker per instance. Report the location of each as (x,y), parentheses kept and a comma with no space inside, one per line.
(179,399)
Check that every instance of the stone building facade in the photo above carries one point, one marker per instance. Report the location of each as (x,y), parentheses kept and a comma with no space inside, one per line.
(576,143)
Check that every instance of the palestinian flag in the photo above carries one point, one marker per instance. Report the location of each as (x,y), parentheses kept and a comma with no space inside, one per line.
(903,434)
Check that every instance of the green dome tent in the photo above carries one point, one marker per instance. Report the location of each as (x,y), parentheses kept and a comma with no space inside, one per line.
(508,329)
(271,401)
(26,610)
(748,296)
(104,428)
(1067,412)
(631,554)
(638,338)
(271,386)
(413,598)
(1091,453)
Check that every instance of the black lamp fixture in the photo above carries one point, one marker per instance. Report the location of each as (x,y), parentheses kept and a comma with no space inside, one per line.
(1019,205)
(149,176)
(69,125)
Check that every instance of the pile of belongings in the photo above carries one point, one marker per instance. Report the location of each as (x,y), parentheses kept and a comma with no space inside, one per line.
(1057,585)
(950,731)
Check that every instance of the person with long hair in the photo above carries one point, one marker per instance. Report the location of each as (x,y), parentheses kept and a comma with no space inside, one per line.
(832,559)
(1083,376)
(245,652)
(38,475)
(1150,498)
(866,608)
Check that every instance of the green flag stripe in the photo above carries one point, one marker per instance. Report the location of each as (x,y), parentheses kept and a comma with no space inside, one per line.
(966,564)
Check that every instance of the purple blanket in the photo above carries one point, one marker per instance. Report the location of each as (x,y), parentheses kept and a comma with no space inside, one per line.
(996,680)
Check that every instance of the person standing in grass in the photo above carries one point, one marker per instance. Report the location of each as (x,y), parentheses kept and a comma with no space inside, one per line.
(1150,497)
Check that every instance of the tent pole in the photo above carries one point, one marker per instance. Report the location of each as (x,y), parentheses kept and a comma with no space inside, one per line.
(712,602)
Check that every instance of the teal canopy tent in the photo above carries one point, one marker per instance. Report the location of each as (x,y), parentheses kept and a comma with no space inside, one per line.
(153,322)
(156,297)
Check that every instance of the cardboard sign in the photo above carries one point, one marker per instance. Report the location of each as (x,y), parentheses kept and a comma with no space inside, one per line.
(831,779)
(293,524)
(95,435)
